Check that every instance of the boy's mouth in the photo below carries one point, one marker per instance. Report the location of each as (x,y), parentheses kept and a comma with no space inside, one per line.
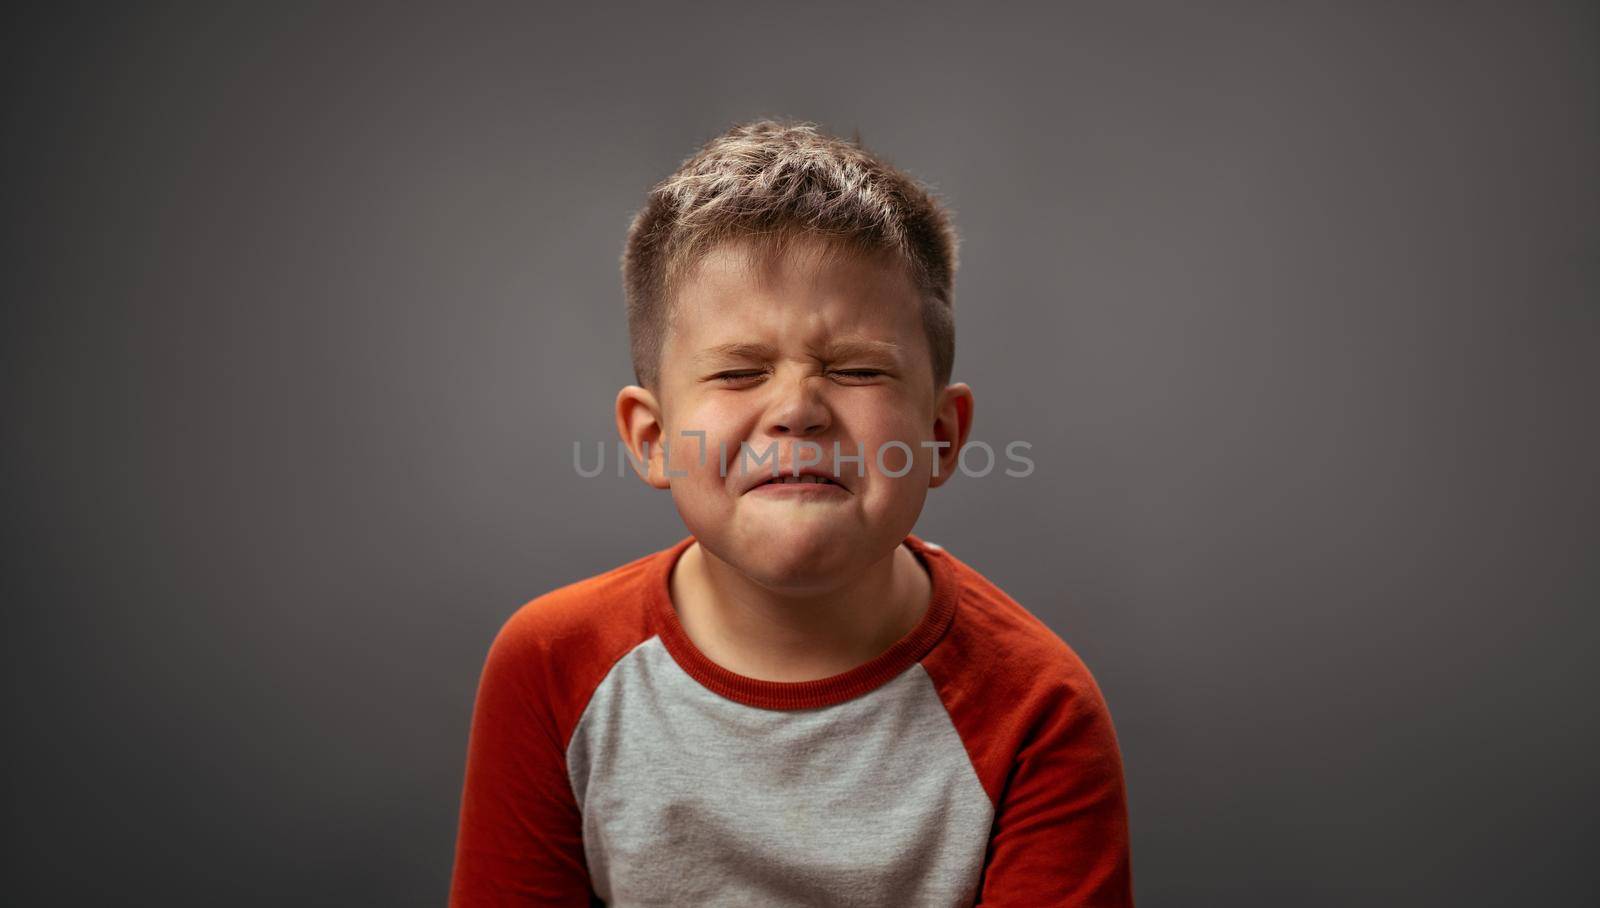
(808,476)
(791,480)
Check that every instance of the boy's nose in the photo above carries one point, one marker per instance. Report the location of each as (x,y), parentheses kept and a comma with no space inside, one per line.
(800,410)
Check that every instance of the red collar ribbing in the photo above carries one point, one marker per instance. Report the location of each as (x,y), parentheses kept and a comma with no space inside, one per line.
(804,694)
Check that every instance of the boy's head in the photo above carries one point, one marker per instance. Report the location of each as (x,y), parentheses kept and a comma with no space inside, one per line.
(788,292)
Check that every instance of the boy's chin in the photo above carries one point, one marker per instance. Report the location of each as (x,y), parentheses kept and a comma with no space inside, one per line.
(796,576)
(800,553)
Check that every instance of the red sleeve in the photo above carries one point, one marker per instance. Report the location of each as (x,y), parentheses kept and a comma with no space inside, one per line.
(1061,827)
(520,840)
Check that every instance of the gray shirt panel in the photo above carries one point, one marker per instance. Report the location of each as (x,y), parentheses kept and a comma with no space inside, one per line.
(689,798)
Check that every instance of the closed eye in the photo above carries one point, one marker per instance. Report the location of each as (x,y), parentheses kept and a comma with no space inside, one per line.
(735,377)
(747,375)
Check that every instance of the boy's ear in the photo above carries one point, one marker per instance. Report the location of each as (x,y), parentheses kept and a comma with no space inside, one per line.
(640,424)
(952,422)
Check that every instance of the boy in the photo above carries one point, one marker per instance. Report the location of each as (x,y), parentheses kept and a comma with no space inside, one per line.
(800,703)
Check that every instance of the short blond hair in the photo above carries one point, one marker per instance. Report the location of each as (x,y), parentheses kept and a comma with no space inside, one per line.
(774,182)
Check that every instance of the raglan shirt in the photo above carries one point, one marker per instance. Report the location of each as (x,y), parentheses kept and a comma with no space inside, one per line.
(611,762)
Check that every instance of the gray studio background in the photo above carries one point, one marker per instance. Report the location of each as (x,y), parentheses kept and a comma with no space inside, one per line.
(304,309)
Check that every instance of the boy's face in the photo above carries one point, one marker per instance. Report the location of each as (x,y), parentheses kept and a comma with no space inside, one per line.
(813,350)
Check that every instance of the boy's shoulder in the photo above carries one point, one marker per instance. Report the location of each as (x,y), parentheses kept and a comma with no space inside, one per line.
(559,646)
(995,633)
(1010,682)
(610,603)
(1002,648)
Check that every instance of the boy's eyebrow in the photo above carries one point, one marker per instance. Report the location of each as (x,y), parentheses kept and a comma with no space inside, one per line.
(845,349)
(735,351)
(837,350)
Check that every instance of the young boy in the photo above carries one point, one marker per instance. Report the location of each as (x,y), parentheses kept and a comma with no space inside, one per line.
(800,703)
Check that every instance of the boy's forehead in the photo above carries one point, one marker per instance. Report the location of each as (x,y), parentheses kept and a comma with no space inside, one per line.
(735,291)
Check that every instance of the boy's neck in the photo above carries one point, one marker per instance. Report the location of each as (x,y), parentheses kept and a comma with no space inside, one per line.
(749,629)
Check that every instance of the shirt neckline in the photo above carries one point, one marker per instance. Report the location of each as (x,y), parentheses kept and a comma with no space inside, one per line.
(821,692)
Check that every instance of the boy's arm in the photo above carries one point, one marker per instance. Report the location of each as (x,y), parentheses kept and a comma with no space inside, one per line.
(520,840)
(1061,829)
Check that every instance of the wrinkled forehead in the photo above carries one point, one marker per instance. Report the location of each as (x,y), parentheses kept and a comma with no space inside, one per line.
(776,255)
(873,280)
